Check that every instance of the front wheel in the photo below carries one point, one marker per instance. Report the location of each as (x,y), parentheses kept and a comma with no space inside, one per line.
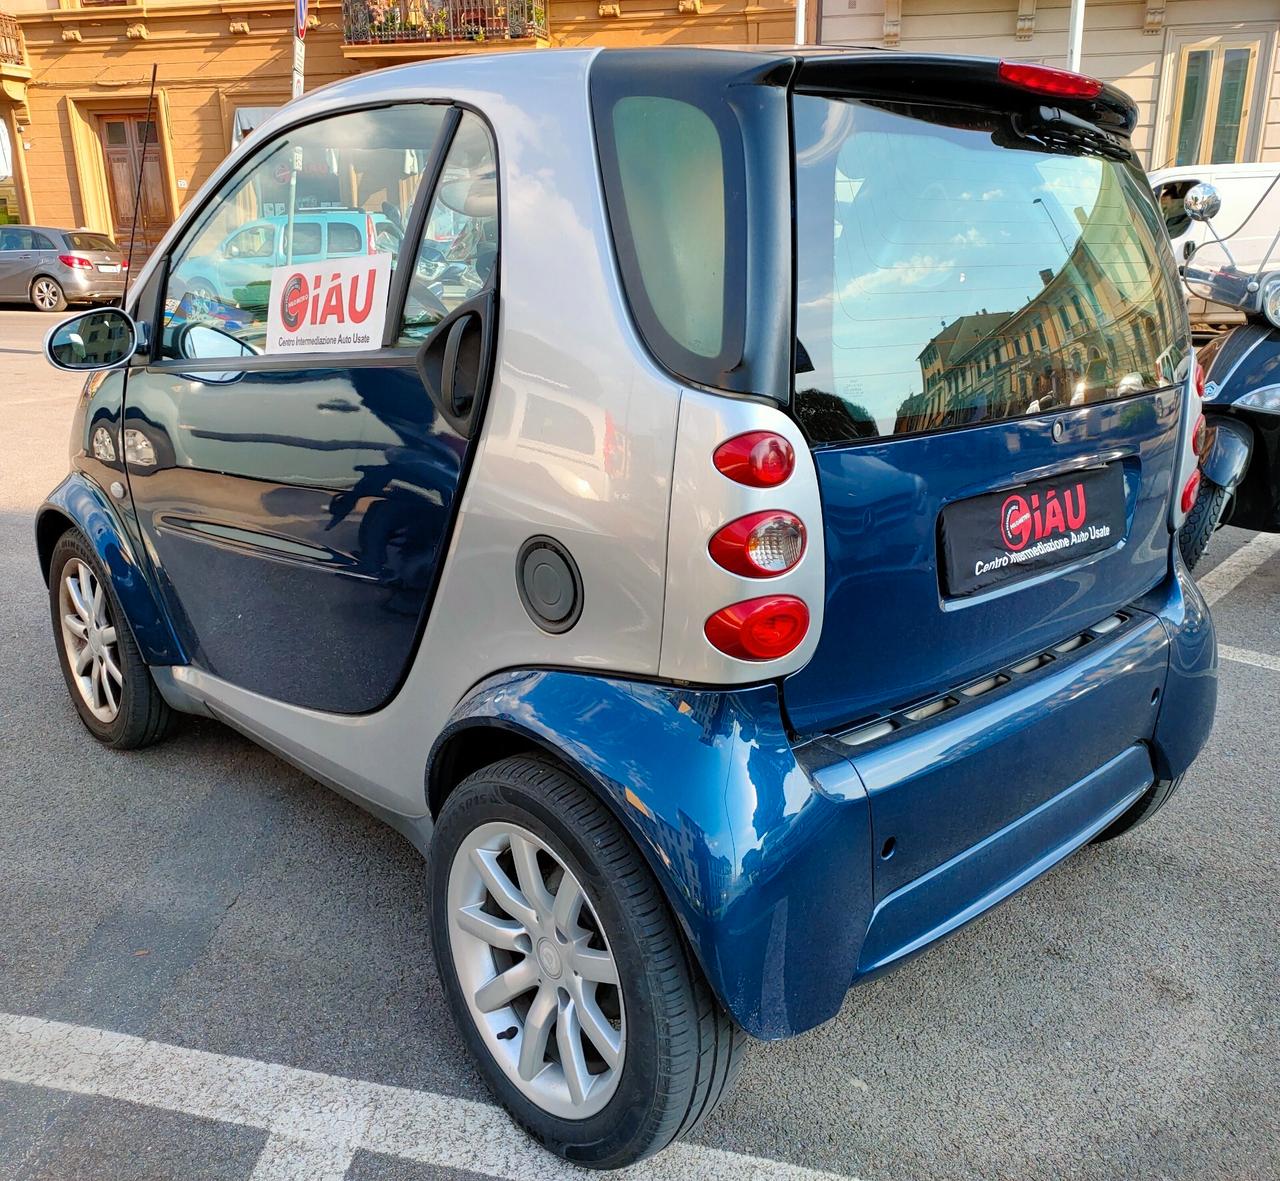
(109,682)
(565,971)
(1202,521)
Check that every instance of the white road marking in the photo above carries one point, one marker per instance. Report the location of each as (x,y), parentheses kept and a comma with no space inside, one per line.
(1248,656)
(318,1121)
(1229,574)
(285,1159)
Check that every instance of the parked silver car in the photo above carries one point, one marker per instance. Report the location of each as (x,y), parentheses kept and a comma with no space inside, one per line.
(52,268)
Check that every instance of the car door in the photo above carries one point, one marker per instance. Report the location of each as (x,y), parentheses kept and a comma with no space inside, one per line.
(15,262)
(295,481)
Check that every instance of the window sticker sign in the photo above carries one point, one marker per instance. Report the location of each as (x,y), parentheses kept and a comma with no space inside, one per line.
(335,306)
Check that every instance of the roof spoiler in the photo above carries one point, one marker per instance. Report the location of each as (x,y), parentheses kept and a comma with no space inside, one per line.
(985,84)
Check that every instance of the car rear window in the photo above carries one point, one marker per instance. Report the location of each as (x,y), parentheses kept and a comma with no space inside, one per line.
(90,242)
(952,272)
(344,239)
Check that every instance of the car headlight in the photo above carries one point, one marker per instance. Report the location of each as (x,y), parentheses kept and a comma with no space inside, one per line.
(1269,300)
(1265,398)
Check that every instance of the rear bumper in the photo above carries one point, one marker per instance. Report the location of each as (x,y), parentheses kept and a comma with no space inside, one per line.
(771,854)
(78,284)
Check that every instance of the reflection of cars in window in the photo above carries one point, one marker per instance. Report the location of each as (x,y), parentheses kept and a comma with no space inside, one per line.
(233,273)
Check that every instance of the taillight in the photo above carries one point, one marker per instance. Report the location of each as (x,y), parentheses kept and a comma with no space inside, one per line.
(760,545)
(75,262)
(759,629)
(1199,372)
(1197,436)
(369,236)
(1049,80)
(1189,491)
(759,459)
(124,264)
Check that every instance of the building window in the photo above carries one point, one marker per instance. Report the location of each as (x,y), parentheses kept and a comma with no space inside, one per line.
(1214,98)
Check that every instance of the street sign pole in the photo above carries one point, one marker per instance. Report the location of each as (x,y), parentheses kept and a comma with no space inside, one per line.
(299,44)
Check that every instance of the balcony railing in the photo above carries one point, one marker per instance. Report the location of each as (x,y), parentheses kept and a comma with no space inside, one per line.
(12,52)
(376,22)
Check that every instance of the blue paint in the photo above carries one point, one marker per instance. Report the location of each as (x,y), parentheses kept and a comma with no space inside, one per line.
(769,850)
(89,509)
(297,519)
(888,636)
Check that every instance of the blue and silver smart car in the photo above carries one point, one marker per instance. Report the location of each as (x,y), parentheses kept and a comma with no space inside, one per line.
(730,527)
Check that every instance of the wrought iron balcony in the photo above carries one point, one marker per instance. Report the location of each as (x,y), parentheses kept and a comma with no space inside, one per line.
(401,22)
(12,50)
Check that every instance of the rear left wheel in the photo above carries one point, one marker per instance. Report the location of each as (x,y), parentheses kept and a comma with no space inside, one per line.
(47,294)
(565,972)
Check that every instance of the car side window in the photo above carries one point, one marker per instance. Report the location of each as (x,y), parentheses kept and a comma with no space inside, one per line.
(15,239)
(40,242)
(1171,196)
(458,254)
(252,242)
(280,206)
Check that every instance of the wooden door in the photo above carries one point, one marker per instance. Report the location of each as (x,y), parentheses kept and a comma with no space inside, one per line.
(127,141)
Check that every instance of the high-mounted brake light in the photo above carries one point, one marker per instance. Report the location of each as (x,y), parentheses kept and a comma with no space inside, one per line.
(759,629)
(1049,80)
(1190,490)
(760,545)
(759,459)
(75,262)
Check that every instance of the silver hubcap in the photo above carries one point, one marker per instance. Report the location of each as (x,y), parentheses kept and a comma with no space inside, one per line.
(536,970)
(46,294)
(89,640)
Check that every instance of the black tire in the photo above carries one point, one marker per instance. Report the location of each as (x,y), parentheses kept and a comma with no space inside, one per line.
(1155,798)
(1202,521)
(143,716)
(54,301)
(682,1051)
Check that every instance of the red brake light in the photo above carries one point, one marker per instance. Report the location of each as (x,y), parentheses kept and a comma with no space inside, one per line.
(124,264)
(759,629)
(760,545)
(1199,379)
(759,459)
(75,262)
(1189,492)
(369,236)
(1049,80)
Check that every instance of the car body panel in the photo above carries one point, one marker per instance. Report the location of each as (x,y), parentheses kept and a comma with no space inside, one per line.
(881,504)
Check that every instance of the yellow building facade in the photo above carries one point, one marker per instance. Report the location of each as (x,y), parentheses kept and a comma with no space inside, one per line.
(75,74)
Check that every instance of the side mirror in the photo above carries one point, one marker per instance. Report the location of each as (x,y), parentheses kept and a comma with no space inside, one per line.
(104,338)
(1202,202)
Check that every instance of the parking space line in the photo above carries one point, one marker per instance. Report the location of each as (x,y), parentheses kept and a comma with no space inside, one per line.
(286,1159)
(318,1120)
(1248,656)
(1229,574)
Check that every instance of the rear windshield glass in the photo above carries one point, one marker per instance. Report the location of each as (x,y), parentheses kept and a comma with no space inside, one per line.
(90,242)
(945,280)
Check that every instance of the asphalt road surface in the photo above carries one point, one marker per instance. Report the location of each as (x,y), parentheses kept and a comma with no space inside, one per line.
(1118,1019)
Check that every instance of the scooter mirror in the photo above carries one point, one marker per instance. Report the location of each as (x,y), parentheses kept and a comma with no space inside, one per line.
(1202,202)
